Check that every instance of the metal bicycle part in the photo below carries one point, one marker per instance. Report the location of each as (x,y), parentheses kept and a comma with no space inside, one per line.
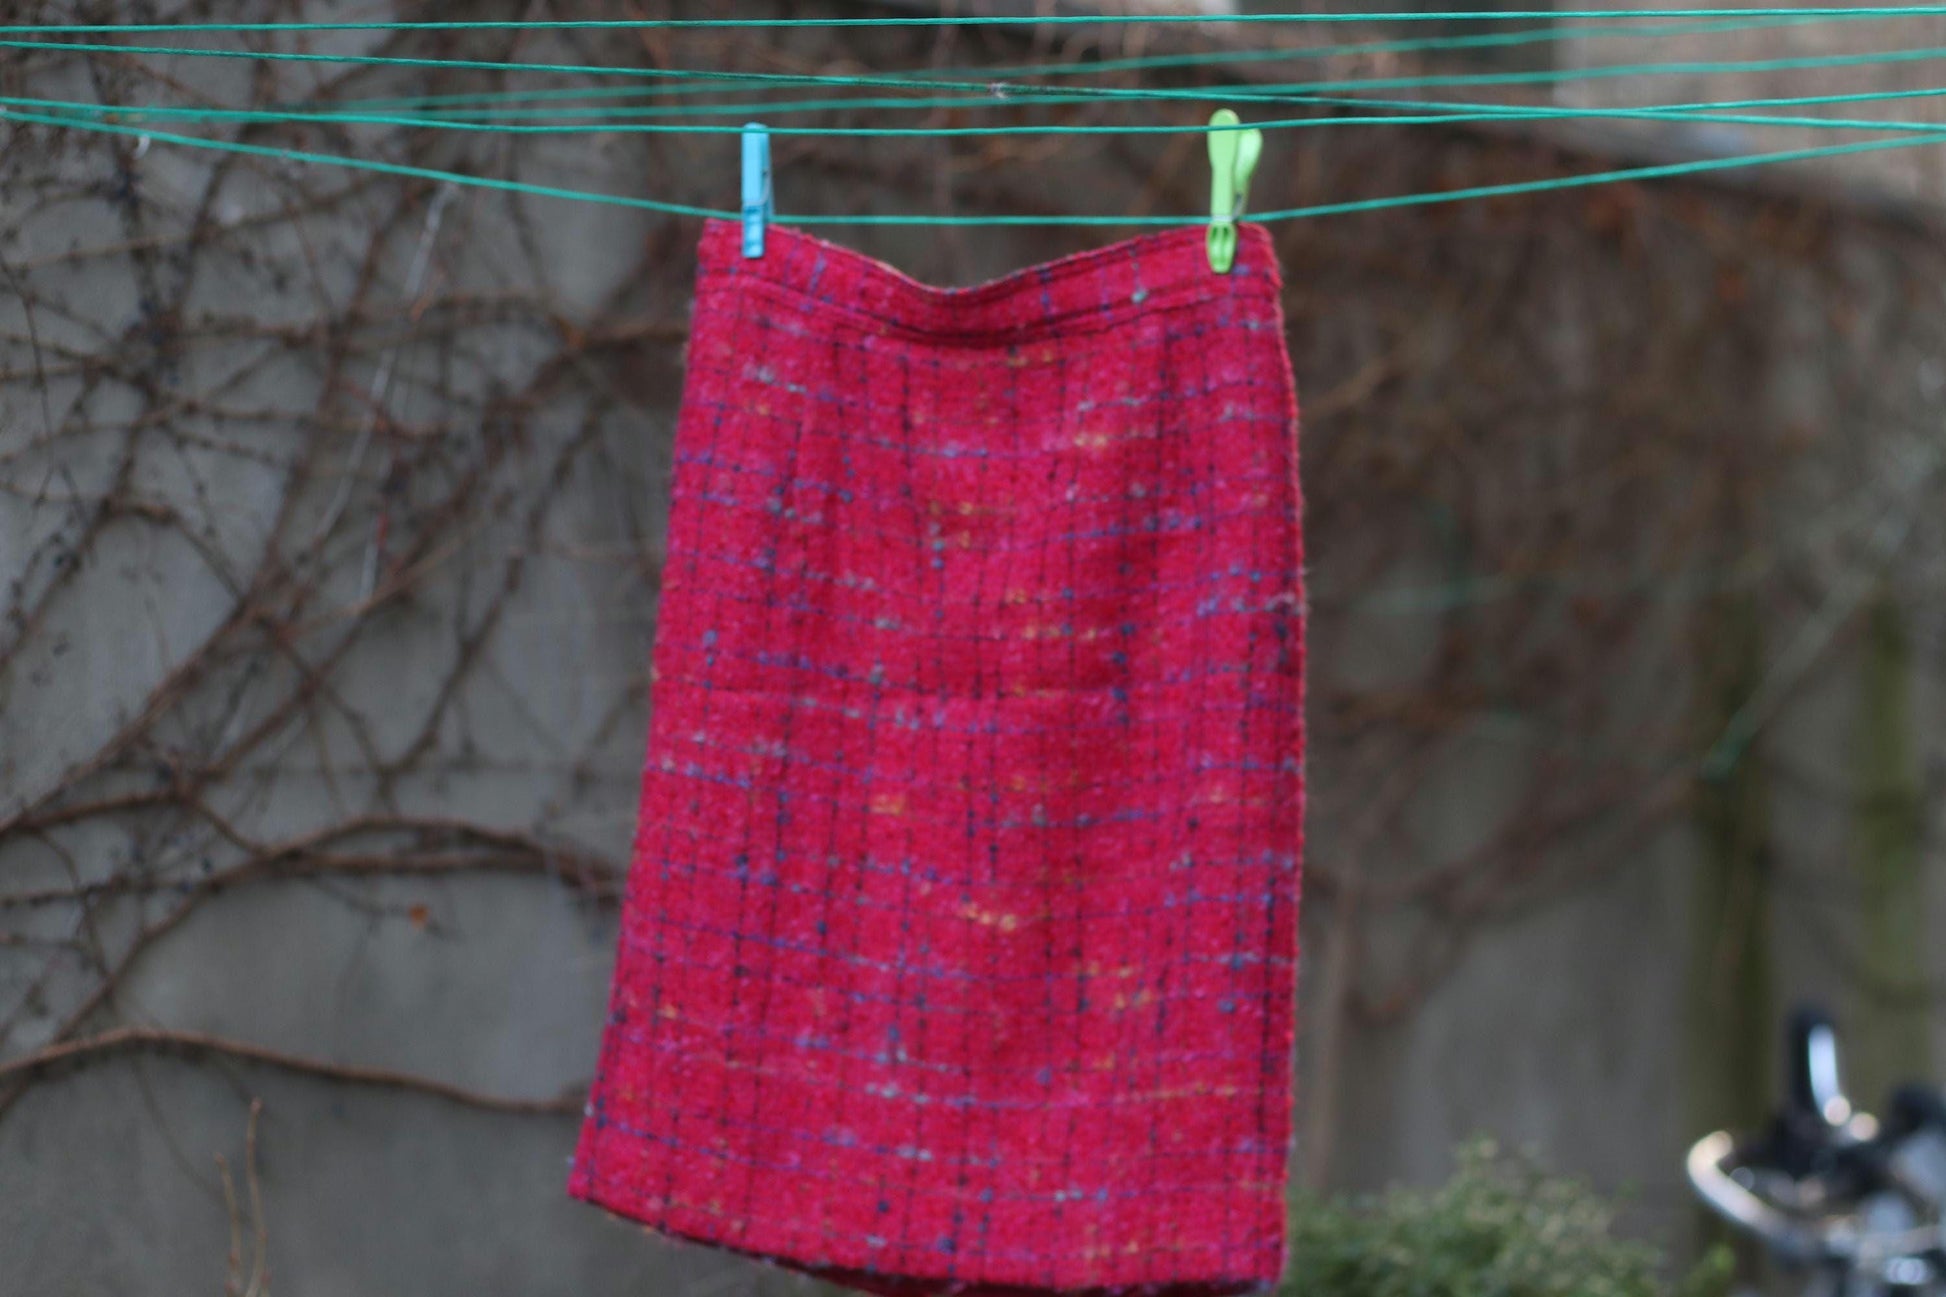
(1856,1206)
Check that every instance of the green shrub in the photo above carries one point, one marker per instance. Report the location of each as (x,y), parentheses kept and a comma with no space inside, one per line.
(1498,1228)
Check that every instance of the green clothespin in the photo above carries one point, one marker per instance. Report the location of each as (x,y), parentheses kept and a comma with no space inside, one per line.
(1233,158)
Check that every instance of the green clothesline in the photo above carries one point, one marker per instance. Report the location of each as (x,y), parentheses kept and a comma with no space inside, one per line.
(1665,170)
(1347,101)
(1296,91)
(1395,113)
(1844,13)
(1003,93)
(1149,63)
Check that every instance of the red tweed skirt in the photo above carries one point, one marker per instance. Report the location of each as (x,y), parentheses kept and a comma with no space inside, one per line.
(959,943)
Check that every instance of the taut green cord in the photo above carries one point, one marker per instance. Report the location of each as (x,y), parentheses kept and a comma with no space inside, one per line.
(1708,110)
(476,65)
(1013,95)
(1292,213)
(1662,171)
(1104,20)
(999,91)
(371,164)
(1399,113)
(1162,62)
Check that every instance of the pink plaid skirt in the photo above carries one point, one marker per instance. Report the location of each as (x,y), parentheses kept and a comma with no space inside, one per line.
(958,950)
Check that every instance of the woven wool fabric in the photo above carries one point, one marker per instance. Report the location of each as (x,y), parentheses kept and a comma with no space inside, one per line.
(959,943)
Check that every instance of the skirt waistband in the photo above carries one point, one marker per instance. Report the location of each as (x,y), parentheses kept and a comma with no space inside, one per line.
(1147,273)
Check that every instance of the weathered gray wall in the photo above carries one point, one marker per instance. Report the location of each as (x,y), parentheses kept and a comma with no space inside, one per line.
(330,518)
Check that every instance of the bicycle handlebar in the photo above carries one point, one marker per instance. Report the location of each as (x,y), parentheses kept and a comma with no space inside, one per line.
(1890,1256)
(1735,1202)
(1813,1185)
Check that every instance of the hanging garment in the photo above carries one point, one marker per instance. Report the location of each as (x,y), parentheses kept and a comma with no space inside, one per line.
(959,939)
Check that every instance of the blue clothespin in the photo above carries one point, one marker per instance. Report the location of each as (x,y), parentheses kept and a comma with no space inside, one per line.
(1233,158)
(756,187)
